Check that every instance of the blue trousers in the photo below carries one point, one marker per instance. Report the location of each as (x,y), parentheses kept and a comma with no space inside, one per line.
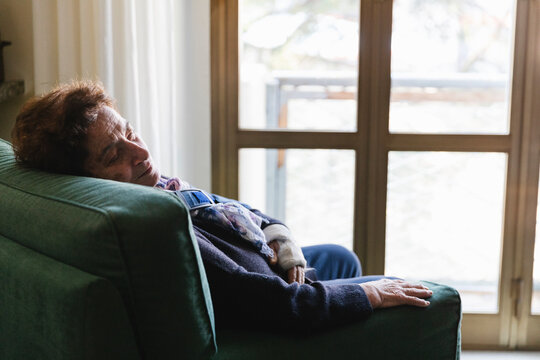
(335,265)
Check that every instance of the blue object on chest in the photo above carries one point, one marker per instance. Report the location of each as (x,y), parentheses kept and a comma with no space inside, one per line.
(195,198)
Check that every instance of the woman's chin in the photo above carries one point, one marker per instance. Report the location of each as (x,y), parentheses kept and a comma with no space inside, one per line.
(150,179)
(155,178)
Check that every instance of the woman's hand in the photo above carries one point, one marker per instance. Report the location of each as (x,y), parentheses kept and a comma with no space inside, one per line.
(387,292)
(294,274)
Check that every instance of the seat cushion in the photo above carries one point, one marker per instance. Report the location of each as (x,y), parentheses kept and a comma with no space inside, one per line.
(137,237)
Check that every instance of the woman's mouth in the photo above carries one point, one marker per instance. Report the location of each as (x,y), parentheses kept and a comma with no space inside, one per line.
(146,172)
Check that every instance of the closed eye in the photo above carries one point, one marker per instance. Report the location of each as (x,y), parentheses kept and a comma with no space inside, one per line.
(130,134)
(113,159)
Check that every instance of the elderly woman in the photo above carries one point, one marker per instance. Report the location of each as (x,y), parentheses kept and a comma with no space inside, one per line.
(253,266)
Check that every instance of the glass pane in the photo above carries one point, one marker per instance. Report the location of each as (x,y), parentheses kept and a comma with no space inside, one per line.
(298,64)
(451,66)
(311,191)
(535,304)
(444,221)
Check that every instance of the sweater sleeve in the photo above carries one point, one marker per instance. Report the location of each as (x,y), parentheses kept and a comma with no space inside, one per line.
(239,297)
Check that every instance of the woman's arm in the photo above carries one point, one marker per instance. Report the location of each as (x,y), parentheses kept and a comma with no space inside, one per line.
(240,296)
(289,255)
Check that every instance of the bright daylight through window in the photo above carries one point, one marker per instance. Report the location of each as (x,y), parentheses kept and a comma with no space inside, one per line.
(301,76)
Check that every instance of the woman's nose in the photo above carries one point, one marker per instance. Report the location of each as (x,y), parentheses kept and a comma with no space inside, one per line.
(138,152)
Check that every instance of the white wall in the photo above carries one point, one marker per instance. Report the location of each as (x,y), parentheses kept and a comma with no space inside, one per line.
(16,26)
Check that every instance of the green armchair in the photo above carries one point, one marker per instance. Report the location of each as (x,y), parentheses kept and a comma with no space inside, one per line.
(95,269)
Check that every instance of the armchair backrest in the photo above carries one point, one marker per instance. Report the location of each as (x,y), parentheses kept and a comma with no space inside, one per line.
(138,238)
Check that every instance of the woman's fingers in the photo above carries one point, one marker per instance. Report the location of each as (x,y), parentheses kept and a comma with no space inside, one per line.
(387,293)
(415,285)
(292,275)
(414,301)
(301,275)
(421,293)
(410,284)
(296,274)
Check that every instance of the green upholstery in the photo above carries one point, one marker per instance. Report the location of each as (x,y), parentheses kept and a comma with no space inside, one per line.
(95,269)
(136,237)
(56,311)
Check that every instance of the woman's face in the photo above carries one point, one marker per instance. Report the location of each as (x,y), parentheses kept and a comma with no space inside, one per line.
(116,152)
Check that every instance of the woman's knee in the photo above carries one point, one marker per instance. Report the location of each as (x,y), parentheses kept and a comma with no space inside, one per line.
(333,261)
(348,259)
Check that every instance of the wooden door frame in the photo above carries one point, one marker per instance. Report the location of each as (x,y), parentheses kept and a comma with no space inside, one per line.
(525,326)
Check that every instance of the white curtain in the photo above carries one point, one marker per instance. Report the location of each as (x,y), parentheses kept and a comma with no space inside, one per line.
(153,58)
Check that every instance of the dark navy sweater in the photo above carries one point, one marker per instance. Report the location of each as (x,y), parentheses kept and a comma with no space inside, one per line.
(247,292)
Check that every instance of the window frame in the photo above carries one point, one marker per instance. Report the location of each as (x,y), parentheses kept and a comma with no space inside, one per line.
(513,325)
